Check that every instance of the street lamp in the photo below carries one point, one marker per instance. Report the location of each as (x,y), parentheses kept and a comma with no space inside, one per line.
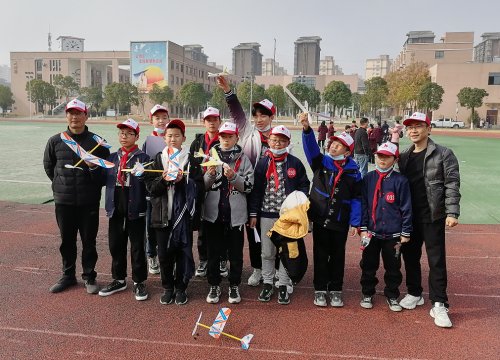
(29,76)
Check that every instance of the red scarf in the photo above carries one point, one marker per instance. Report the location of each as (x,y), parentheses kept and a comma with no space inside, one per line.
(263,139)
(340,165)
(156,134)
(209,142)
(271,169)
(377,194)
(123,163)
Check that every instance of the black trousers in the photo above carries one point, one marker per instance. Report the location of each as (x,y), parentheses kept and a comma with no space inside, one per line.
(329,258)
(370,262)
(433,235)
(151,245)
(201,244)
(254,248)
(170,259)
(120,230)
(221,238)
(71,220)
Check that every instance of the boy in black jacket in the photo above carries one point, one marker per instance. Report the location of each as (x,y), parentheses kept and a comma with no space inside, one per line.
(385,224)
(126,210)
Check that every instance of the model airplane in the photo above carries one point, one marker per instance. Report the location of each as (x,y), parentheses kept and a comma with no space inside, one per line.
(212,160)
(223,73)
(218,325)
(298,103)
(84,155)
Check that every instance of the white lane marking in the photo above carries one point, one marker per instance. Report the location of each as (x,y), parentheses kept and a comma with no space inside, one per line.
(28,233)
(204,346)
(26,182)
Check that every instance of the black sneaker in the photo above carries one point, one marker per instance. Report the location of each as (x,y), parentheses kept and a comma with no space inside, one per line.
(62,284)
(224,272)
(266,293)
(181,297)
(91,286)
(140,291)
(213,295)
(112,288)
(283,296)
(167,297)
(234,294)
(201,271)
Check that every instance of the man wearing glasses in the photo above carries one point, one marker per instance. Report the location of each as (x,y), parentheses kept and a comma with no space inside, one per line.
(433,173)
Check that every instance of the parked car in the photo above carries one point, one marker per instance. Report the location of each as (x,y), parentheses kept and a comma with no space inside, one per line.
(447,123)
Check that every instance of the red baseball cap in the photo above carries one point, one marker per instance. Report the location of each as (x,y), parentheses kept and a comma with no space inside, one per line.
(345,139)
(156,108)
(77,104)
(389,149)
(267,104)
(131,124)
(177,123)
(228,128)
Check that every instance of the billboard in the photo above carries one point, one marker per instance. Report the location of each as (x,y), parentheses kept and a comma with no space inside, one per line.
(148,64)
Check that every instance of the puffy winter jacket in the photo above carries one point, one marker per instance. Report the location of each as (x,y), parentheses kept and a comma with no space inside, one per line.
(73,186)
(442,179)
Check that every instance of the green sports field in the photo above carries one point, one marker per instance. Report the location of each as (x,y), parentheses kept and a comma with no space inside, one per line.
(23,178)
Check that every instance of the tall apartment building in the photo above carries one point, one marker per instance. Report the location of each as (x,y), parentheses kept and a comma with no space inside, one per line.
(307,55)
(272,68)
(377,67)
(195,52)
(454,47)
(327,66)
(489,49)
(247,59)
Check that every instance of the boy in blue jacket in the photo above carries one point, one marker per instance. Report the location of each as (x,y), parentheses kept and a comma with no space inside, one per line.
(277,175)
(335,204)
(126,210)
(387,221)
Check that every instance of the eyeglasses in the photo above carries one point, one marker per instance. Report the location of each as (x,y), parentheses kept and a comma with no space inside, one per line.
(126,134)
(416,127)
(280,142)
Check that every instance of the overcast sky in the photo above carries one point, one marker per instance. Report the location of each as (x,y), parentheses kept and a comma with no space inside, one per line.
(352,30)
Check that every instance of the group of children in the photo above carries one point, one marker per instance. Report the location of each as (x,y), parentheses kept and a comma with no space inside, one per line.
(257,173)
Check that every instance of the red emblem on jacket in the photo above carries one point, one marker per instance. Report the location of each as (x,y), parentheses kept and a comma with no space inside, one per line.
(291,173)
(390,197)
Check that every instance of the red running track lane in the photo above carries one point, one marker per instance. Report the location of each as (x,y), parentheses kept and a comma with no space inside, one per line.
(75,325)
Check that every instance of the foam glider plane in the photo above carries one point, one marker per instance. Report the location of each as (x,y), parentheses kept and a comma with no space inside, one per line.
(213,159)
(84,155)
(223,73)
(218,325)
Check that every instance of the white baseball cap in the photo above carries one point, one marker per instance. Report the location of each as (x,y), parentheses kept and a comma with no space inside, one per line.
(156,108)
(417,116)
(77,104)
(131,124)
(267,104)
(211,111)
(228,128)
(281,130)
(345,139)
(388,148)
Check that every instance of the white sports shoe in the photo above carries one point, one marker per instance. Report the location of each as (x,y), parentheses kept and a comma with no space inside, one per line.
(410,302)
(440,314)
(255,278)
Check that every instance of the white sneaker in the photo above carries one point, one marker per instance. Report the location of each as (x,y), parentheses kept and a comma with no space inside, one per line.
(153,265)
(320,298)
(289,286)
(336,299)
(410,302)
(255,278)
(440,314)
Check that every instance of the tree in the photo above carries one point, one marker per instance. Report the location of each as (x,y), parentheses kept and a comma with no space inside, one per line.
(277,95)
(193,96)
(301,92)
(430,97)
(41,93)
(247,90)
(337,94)
(161,95)
(356,101)
(121,96)
(218,100)
(6,97)
(471,98)
(93,97)
(65,86)
(376,95)
(405,85)
(314,98)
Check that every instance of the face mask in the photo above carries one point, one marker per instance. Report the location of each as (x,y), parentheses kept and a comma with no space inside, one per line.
(264,129)
(337,157)
(159,130)
(278,151)
(383,171)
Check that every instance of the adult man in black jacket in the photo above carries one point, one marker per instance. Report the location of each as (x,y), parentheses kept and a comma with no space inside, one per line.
(433,173)
(362,147)
(77,193)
